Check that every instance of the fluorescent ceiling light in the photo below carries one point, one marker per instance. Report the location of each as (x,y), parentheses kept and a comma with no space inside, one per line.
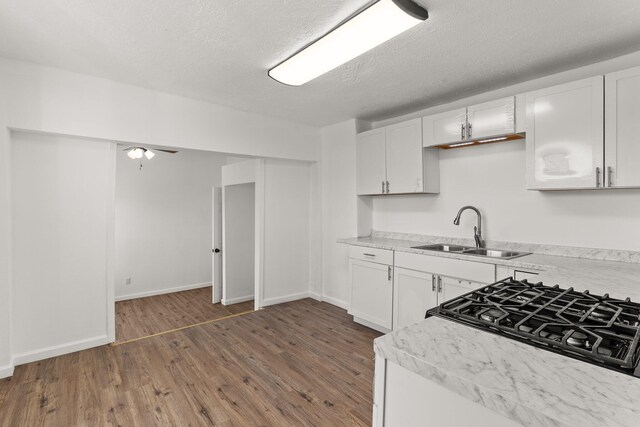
(380,22)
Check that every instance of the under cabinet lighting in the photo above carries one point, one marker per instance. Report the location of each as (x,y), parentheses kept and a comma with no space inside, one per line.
(484,141)
(376,24)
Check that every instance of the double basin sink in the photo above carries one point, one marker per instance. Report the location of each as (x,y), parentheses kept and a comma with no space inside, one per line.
(469,250)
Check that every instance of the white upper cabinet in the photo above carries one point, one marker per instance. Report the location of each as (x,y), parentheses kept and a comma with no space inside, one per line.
(445,127)
(371,162)
(491,118)
(391,160)
(565,135)
(482,121)
(622,129)
(404,157)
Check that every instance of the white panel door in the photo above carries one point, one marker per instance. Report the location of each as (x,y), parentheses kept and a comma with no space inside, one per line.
(371,162)
(622,127)
(216,244)
(450,288)
(413,294)
(491,118)
(445,127)
(371,292)
(404,157)
(565,135)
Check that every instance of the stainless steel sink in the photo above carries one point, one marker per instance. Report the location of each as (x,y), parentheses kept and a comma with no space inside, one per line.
(440,247)
(494,253)
(468,250)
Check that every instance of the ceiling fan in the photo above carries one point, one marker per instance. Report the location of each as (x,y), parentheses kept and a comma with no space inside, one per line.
(137,153)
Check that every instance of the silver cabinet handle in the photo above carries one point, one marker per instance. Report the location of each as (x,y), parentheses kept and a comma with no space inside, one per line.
(597,177)
(387,187)
(389,273)
(462,131)
(439,284)
(382,187)
(433,283)
(371,255)
(469,131)
(609,176)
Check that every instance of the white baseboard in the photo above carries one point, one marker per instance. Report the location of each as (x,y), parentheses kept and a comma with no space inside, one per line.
(59,350)
(285,298)
(337,302)
(229,301)
(161,291)
(315,295)
(6,371)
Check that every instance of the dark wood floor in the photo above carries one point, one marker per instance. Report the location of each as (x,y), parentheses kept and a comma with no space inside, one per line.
(300,363)
(147,316)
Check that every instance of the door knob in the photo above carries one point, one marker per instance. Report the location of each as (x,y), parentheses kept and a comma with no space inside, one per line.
(216,250)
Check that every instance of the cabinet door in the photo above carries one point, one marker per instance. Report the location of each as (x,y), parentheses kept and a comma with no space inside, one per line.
(404,157)
(622,127)
(491,118)
(371,292)
(371,162)
(450,288)
(565,135)
(444,127)
(414,293)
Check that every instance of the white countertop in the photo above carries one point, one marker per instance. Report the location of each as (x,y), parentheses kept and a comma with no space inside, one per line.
(532,386)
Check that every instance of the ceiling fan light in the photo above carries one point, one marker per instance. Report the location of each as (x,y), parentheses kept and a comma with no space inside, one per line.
(373,26)
(149,154)
(132,153)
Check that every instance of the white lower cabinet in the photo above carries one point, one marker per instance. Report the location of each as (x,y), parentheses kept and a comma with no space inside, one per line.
(371,294)
(413,293)
(422,282)
(405,399)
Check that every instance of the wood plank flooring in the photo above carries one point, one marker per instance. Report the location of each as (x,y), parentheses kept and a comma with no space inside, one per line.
(147,316)
(303,363)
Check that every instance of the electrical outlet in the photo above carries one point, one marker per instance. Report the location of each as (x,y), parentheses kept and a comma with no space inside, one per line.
(127,281)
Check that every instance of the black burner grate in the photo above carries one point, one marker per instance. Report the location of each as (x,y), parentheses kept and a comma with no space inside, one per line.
(596,329)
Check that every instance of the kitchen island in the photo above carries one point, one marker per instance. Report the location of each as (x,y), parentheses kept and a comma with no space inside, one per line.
(439,372)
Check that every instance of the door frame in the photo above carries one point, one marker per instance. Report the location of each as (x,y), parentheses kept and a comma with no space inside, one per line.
(248,172)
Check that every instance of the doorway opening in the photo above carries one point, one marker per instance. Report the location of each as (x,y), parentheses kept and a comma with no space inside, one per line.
(239,236)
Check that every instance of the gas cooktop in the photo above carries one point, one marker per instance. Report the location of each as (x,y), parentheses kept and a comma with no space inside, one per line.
(595,329)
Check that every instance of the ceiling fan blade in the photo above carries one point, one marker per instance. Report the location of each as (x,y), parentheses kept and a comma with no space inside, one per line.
(166,151)
(128,148)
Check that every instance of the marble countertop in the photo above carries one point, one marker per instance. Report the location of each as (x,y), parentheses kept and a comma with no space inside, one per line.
(532,386)
(617,278)
(529,385)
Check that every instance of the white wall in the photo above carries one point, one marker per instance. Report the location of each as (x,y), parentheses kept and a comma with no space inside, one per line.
(6,368)
(62,210)
(163,221)
(56,101)
(239,247)
(286,230)
(492,178)
(339,207)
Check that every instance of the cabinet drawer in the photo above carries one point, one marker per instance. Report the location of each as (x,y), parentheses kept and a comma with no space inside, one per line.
(469,270)
(382,256)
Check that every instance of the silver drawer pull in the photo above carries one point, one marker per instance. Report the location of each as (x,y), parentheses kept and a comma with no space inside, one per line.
(365,254)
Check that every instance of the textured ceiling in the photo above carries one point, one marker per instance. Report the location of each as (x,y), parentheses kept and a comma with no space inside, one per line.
(220,50)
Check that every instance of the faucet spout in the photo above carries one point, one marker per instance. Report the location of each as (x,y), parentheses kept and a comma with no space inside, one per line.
(477,230)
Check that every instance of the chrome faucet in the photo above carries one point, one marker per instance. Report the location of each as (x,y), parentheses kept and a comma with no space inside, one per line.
(477,231)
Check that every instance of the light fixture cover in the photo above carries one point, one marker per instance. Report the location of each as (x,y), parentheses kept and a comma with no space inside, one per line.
(373,26)
(149,154)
